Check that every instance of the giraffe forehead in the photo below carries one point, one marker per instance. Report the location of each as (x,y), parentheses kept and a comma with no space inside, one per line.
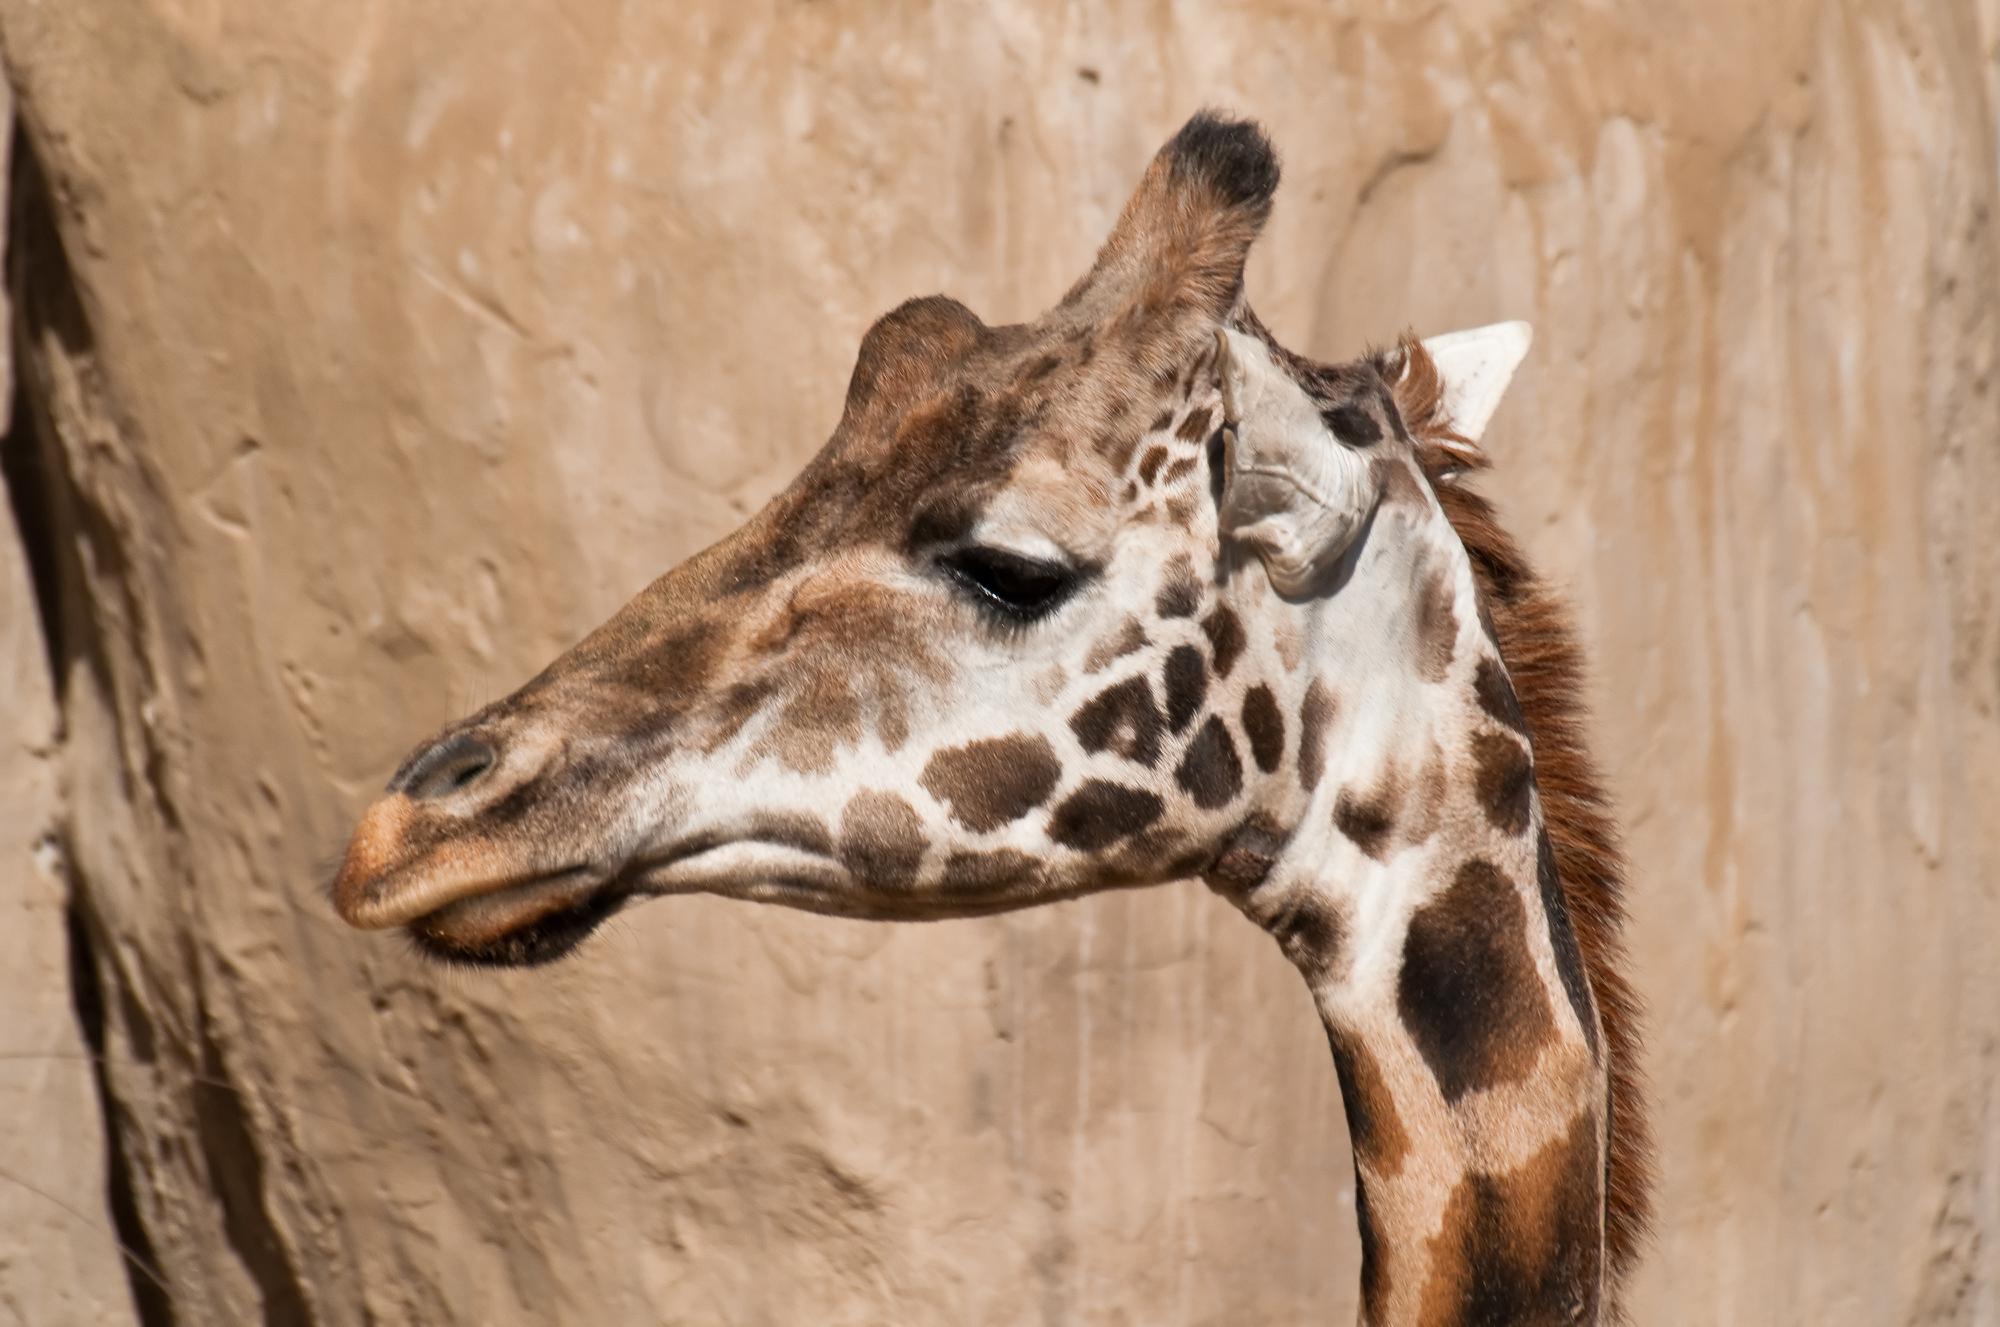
(1055,501)
(1023,427)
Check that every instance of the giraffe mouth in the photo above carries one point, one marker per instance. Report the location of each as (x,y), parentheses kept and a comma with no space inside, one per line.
(523,925)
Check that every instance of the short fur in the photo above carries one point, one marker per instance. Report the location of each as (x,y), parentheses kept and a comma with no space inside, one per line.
(1535,636)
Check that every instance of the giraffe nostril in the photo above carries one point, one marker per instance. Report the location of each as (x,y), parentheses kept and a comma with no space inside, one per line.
(456,763)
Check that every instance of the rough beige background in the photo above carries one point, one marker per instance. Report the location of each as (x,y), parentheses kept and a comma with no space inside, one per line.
(395,345)
(58,1263)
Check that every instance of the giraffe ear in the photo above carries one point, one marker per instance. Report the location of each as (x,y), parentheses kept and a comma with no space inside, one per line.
(1475,367)
(1290,490)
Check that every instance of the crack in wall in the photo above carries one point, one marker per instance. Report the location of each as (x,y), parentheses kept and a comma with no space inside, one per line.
(150,1300)
(30,473)
(73,551)
(235,1163)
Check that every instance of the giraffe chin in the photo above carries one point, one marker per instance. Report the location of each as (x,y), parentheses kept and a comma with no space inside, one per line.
(522,926)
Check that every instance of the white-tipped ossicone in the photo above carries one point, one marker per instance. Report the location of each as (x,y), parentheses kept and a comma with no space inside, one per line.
(1291,490)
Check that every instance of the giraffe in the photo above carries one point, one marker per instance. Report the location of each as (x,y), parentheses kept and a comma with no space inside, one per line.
(1126,595)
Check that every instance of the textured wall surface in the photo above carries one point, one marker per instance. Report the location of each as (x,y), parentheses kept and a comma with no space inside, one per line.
(58,1257)
(372,352)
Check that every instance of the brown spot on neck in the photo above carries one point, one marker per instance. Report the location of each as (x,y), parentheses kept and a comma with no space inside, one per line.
(1523,1246)
(1503,779)
(1264,726)
(1210,772)
(1368,819)
(1180,594)
(1247,856)
(1562,941)
(1186,686)
(1437,627)
(1311,930)
(1373,1123)
(1468,990)
(1195,427)
(1496,695)
(1225,638)
(1314,716)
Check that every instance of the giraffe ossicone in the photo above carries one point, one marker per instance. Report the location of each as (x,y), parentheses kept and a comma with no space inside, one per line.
(1126,595)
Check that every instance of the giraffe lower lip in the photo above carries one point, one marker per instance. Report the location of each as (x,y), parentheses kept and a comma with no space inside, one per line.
(536,921)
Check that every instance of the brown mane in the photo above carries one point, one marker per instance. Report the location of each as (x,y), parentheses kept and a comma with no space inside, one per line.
(1538,643)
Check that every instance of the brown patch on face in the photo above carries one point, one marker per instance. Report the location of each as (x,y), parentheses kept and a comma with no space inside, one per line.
(1186,685)
(1195,427)
(1373,1122)
(1180,510)
(1180,470)
(823,718)
(1468,991)
(1437,628)
(1179,596)
(1368,819)
(1314,715)
(1099,814)
(663,674)
(1039,369)
(892,721)
(991,782)
(1149,466)
(1160,421)
(1264,726)
(973,874)
(1502,779)
(1311,932)
(1130,638)
(1522,1247)
(794,829)
(1210,772)
(881,840)
(1049,683)
(741,701)
(1225,638)
(1247,856)
(1496,695)
(1122,718)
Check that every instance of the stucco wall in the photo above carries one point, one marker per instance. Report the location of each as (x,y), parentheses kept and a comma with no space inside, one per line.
(373,352)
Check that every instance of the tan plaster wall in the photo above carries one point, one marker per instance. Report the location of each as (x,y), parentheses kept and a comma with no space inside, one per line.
(398,344)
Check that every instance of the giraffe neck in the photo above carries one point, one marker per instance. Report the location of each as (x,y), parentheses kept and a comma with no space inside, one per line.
(1416,893)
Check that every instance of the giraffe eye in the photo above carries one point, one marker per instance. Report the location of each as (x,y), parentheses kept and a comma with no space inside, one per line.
(1020,589)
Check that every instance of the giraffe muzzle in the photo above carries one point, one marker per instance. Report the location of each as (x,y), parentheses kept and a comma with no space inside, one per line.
(443,850)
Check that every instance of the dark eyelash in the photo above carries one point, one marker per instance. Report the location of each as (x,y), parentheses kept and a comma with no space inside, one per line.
(1012,588)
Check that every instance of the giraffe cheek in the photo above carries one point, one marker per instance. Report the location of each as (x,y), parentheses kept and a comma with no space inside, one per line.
(882,841)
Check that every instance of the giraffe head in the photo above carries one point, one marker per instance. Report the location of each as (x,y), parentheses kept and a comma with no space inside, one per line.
(1060,606)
